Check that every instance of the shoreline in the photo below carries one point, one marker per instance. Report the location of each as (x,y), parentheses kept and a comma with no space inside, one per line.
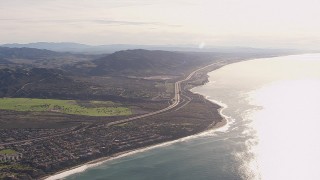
(212,128)
(83,167)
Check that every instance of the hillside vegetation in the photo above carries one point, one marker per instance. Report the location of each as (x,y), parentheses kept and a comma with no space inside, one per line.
(143,63)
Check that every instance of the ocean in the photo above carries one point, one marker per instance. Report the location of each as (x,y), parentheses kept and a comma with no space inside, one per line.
(272,108)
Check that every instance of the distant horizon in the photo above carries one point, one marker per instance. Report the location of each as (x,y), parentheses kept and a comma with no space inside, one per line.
(193,46)
(248,23)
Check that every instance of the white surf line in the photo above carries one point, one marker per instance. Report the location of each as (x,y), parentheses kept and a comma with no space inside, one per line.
(86,166)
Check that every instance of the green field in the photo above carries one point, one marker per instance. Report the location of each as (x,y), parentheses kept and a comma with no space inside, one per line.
(8,151)
(86,108)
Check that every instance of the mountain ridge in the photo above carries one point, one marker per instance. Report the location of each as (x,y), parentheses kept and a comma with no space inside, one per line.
(111,48)
(140,62)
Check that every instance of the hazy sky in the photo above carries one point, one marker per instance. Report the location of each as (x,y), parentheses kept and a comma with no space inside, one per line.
(255,23)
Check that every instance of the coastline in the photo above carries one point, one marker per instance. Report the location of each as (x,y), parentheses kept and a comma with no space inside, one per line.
(82,167)
(210,129)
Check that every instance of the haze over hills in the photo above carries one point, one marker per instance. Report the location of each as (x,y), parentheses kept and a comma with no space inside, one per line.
(107,49)
(60,47)
(141,62)
(147,63)
(40,57)
(30,72)
(27,53)
(137,62)
(21,66)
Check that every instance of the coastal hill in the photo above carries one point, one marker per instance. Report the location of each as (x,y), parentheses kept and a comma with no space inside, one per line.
(146,63)
(48,74)
(140,62)
(59,47)
(33,57)
(35,82)
(27,53)
(130,74)
(111,48)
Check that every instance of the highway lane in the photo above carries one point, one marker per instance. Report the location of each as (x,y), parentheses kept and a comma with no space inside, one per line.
(176,99)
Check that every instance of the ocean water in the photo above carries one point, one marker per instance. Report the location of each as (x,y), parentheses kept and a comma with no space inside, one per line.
(272,108)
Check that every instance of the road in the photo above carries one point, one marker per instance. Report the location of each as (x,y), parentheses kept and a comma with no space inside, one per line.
(176,99)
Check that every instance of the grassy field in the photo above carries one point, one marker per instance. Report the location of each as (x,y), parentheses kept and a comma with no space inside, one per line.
(87,108)
(8,151)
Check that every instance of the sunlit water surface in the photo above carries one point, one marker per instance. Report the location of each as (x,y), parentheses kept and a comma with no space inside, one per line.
(273,131)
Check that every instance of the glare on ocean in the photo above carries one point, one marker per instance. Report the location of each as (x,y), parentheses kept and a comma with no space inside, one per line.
(286,126)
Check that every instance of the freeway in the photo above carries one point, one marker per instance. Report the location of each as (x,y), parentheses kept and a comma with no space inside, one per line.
(176,99)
